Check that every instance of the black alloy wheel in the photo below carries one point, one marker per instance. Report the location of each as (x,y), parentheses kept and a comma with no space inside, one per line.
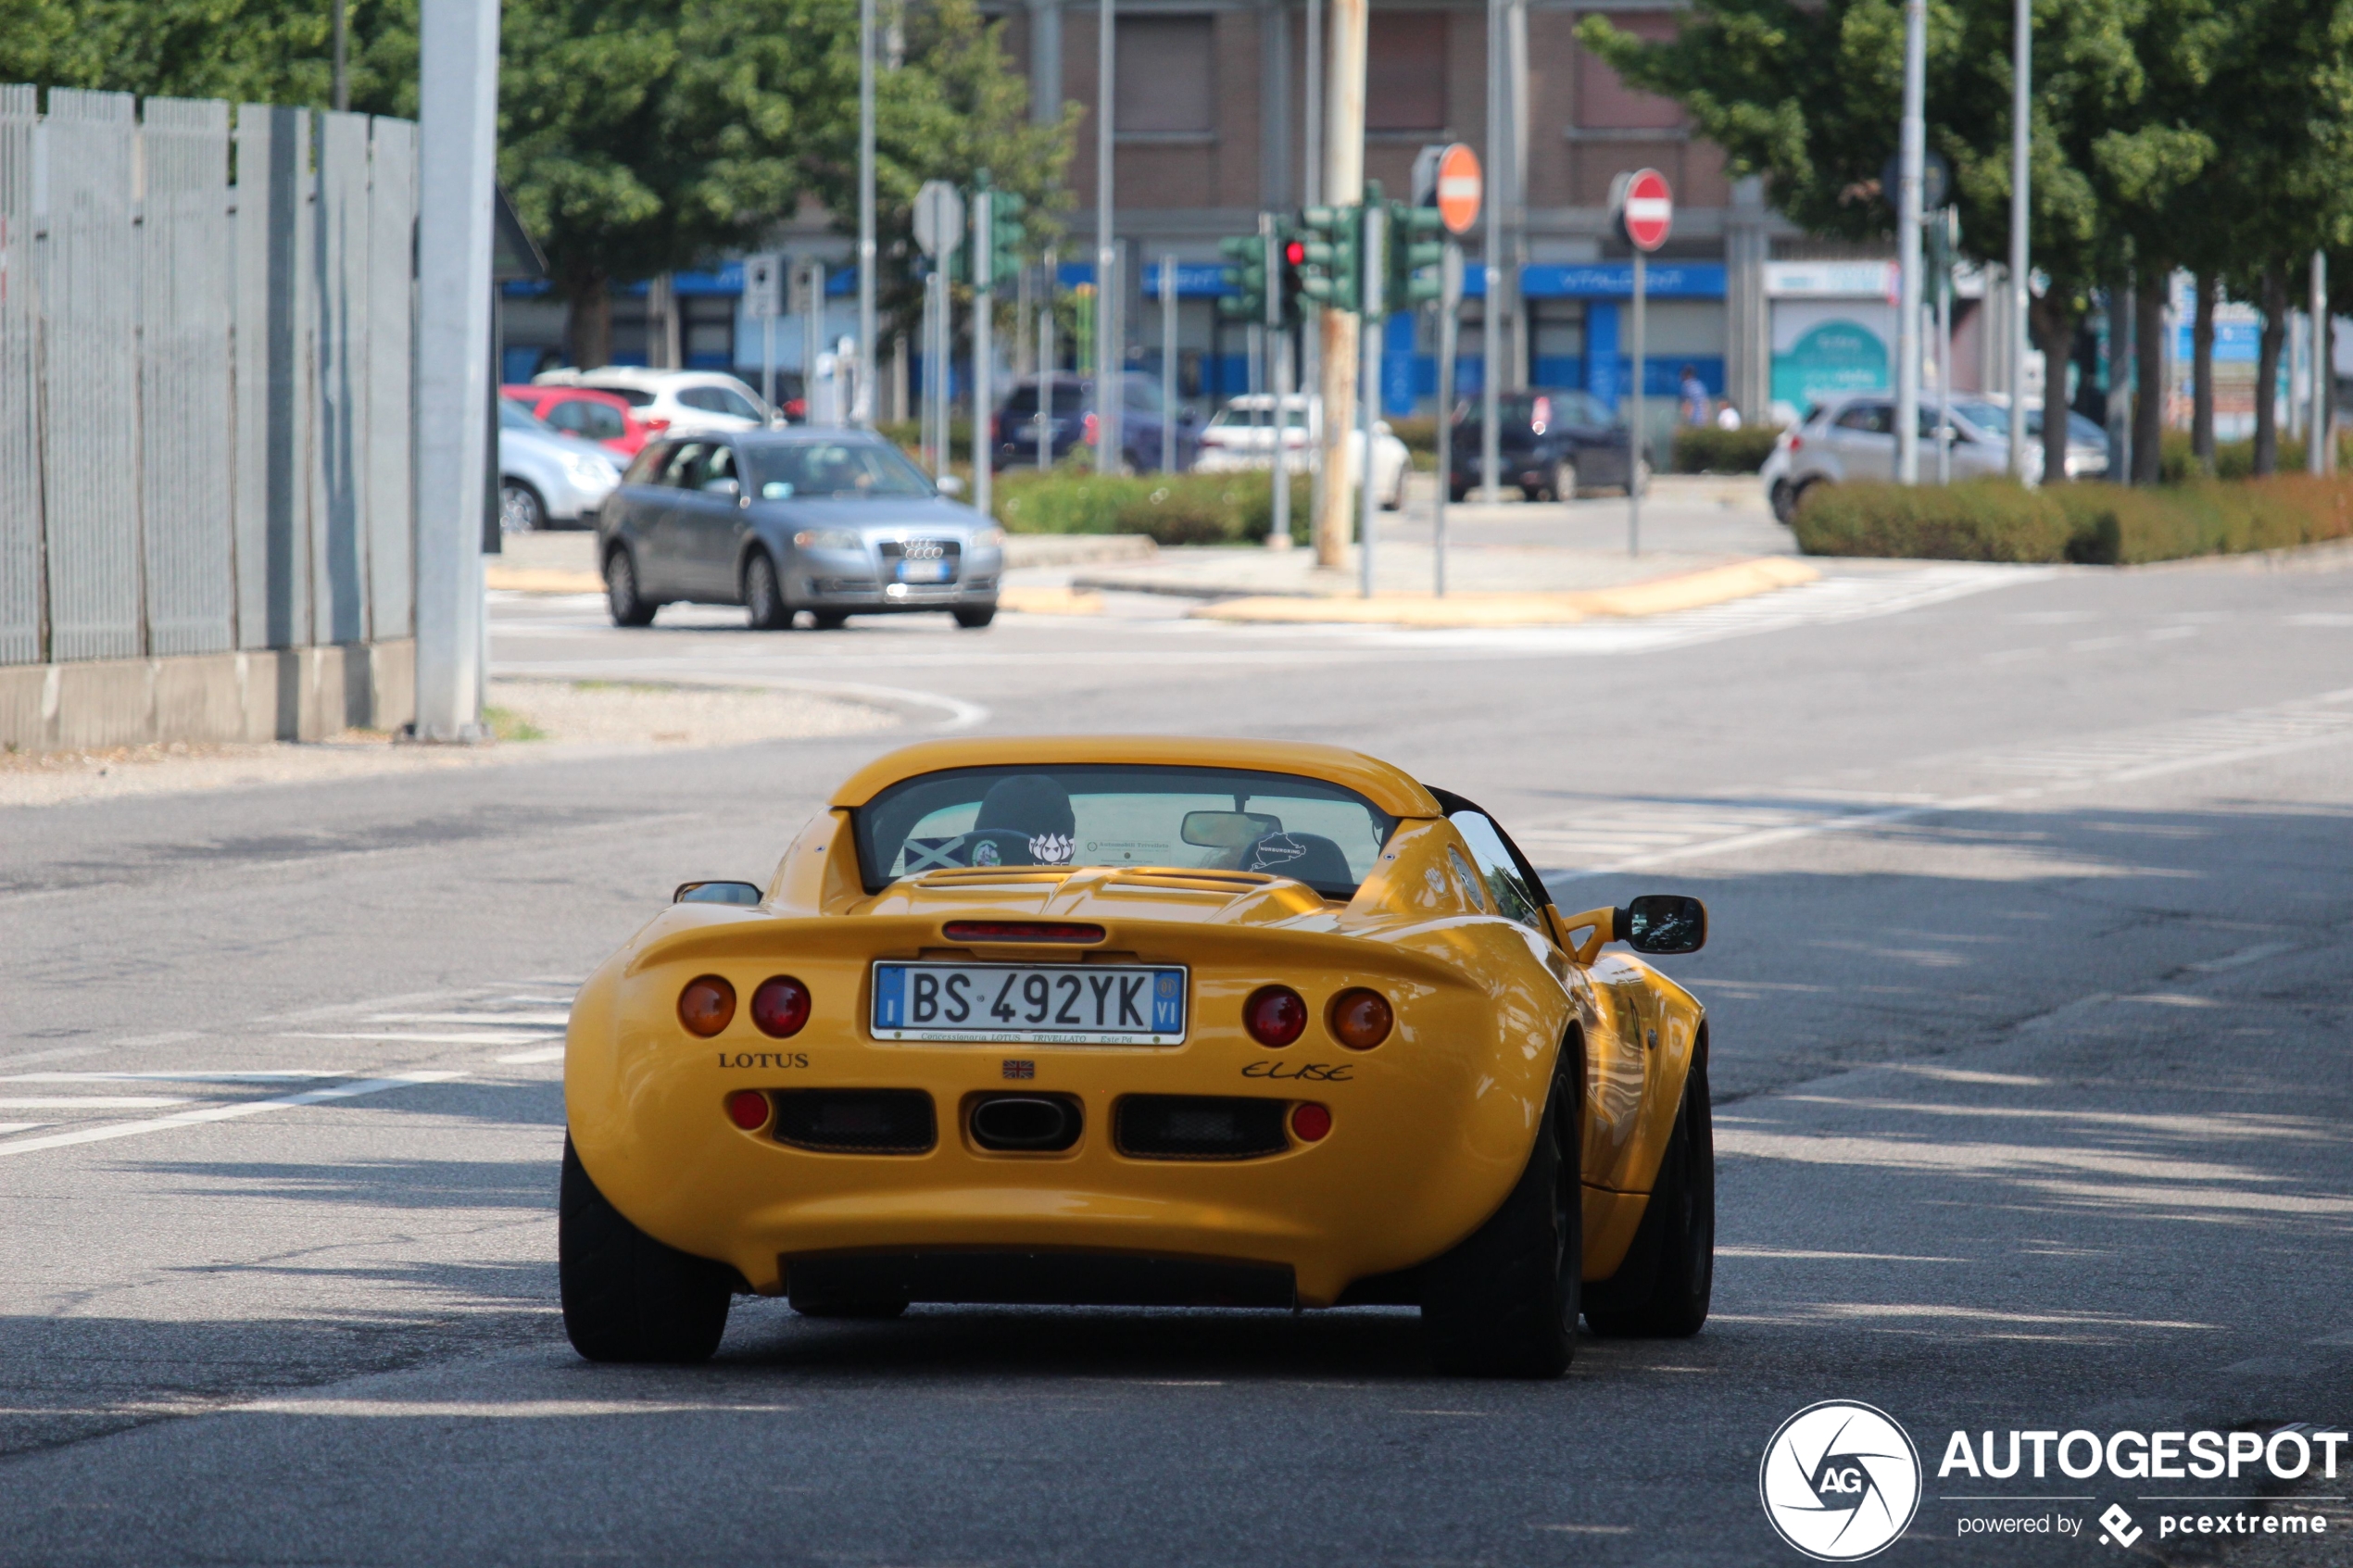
(629,607)
(1504,1303)
(626,1297)
(764,598)
(1661,1291)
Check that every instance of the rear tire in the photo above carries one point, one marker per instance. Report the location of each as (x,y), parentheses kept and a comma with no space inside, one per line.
(975,619)
(628,606)
(1662,1290)
(1504,1303)
(626,1297)
(764,598)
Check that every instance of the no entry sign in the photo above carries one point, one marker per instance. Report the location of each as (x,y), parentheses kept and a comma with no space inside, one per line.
(1460,188)
(1646,210)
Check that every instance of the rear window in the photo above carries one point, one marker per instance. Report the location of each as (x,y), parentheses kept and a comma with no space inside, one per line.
(1069,398)
(1173,819)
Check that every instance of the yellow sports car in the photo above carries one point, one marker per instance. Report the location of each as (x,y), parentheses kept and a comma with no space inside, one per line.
(1133,1020)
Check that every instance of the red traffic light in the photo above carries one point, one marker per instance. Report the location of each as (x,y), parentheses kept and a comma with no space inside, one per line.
(1295,252)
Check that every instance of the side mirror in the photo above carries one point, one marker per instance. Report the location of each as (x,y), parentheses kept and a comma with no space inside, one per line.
(1663,924)
(746,893)
(949,484)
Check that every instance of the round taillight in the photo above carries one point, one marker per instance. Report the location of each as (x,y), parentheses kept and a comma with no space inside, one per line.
(1309,1122)
(707,1005)
(781,1006)
(1361,1019)
(748,1109)
(1274,1015)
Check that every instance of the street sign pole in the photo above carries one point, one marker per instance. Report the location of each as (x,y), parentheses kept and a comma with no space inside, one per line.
(1634,431)
(763,302)
(1370,272)
(1645,210)
(1046,366)
(863,411)
(2318,456)
(1167,363)
(813,345)
(1108,400)
(2021,63)
(1450,307)
(1277,380)
(1913,152)
(984,345)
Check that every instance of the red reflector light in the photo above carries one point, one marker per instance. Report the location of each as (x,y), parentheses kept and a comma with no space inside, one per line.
(1361,1019)
(748,1109)
(1795,442)
(1089,437)
(1274,1015)
(781,1006)
(707,1005)
(1022,931)
(1310,1122)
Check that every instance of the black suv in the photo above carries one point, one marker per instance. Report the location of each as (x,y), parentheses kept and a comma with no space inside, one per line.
(1551,443)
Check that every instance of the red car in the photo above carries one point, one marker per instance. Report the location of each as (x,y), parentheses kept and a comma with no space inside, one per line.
(604,418)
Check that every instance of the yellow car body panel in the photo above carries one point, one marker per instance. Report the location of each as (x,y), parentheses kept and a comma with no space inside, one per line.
(1429,1129)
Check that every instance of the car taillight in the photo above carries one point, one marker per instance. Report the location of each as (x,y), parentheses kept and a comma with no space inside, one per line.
(1361,1019)
(749,1109)
(707,1005)
(1089,436)
(1309,1122)
(781,1006)
(657,426)
(1796,441)
(1274,1015)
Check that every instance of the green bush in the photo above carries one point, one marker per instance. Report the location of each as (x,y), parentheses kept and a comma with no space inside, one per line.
(2235,459)
(1994,519)
(1198,508)
(1707,450)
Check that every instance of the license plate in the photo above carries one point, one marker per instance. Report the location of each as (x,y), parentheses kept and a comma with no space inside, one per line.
(926,570)
(1030,1004)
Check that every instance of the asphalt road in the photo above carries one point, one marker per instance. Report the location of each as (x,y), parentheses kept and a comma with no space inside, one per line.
(2033,895)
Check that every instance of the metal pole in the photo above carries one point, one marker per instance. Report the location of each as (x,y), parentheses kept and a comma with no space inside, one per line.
(1107,401)
(1367,488)
(984,348)
(1945,347)
(1046,371)
(925,417)
(1491,375)
(1634,419)
(1314,184)
(2021,126)
(1278,527)
(2316,444)
(812,343)
(768,364)
(1450,301)
(1342,335)
(1276,380)
(1907,243)
(457,139)
(1167,364)
(862,413)
(341,100)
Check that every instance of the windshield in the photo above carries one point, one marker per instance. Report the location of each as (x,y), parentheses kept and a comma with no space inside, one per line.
(1185,818)
(834,469)
(2081,432)
(1070,398)
(514,415)
(1236,417)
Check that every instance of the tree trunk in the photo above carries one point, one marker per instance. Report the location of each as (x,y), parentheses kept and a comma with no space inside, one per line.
(2054,326)
(2148,406)
(2202,377)
(2267,373)
(589,320)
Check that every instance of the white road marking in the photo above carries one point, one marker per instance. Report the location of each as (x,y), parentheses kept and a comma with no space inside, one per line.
(2256,954)
(92,1102)
(229,1075)
(225,1112)
(65,1053)
(533,1410)
(21,1126)
(511,1020)
(547,1053)
(474,1037)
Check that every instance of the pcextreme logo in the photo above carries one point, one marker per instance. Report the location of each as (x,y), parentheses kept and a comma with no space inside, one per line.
(1839,1481)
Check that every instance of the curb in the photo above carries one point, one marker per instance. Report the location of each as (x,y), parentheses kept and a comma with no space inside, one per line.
(540,580)
(1690,590)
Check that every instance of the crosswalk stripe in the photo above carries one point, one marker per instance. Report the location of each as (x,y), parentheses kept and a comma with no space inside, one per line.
(225,1112)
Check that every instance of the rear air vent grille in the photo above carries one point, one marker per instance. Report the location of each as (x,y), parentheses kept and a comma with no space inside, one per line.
(856,1121)
(1199,1127)
(1227,882)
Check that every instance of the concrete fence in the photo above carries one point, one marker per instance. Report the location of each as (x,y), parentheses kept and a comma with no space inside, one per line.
(207,516)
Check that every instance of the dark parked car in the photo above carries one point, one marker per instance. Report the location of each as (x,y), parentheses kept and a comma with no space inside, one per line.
(1551,443)
(1013,429)
(833,521)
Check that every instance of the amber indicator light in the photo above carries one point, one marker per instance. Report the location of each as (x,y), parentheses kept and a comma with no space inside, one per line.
(707,1005)
(1361,1019)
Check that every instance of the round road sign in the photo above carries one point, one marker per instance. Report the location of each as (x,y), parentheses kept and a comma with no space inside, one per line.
(1460,188)
(1648,211)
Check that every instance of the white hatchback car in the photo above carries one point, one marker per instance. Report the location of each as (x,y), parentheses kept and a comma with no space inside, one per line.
(1240,435)
(676,400)
(547,479)
(1854,438)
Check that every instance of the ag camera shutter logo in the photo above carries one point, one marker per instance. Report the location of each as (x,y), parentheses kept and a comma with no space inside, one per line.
(1839,1481)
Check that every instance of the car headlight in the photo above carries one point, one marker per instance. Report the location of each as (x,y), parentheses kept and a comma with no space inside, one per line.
(989,539)
(589,469)
(827,539)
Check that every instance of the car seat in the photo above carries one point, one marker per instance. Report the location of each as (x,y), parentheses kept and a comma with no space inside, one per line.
(1034,809)
(1305,856)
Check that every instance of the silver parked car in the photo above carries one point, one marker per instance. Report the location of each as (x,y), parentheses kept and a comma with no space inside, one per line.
(547,479)
(1854,438)
(833,521)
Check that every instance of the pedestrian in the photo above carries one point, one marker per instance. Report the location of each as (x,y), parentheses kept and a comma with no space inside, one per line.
(1694,392)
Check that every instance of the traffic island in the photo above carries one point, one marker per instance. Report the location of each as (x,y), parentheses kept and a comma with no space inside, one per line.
(1660,595)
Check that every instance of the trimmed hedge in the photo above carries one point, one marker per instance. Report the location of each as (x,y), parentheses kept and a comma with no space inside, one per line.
(1993,520)
(2235,459)
(1707,450)
(1194,509)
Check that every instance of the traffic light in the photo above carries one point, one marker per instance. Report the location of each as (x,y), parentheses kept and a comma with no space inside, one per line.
(1005,237)
(1414,252)
(1331,260)
(1293,267)
(1245,273)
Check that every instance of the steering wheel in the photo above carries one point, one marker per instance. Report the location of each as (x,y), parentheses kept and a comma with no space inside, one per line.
(1003,847)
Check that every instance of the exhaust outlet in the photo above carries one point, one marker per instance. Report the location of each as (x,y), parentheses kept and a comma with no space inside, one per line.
(1026,1123)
